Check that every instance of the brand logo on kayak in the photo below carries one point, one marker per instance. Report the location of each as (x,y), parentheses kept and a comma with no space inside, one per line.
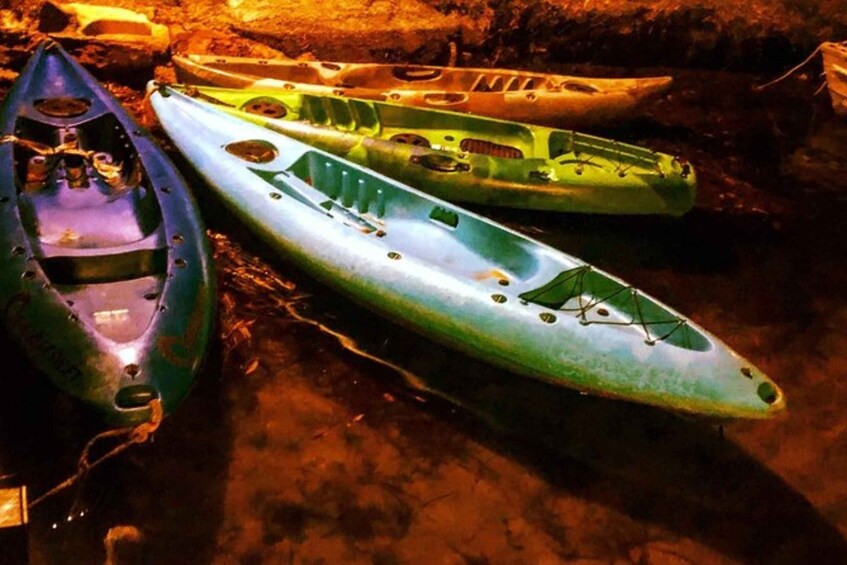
(34,340)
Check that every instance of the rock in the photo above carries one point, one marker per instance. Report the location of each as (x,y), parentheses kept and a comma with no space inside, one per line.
(765,35)
(16,41)
(821,161)
(214,42)
(105,38)
(355,30)
(7,77)
(123,545)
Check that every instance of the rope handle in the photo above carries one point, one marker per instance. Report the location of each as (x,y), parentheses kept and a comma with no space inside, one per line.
(138,434)
(788,73)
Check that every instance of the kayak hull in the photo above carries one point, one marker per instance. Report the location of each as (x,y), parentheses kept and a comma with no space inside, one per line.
(108,287)
(567,101)
(835,68)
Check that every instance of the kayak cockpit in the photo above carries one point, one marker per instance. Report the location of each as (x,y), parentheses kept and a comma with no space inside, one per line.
(423,78)
(438,78)
(82,186)
(454,241)
(459,243)
(94,223)
(455,133)
(409,223)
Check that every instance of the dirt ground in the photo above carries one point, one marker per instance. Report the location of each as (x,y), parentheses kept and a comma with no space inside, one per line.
(293,448)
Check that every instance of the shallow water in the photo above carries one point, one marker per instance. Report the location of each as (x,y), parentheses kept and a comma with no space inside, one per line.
(292,448)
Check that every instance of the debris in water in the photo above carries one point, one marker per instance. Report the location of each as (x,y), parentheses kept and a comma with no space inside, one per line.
(122,544)
(251,366)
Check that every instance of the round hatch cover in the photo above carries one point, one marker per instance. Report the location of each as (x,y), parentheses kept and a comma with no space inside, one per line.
(267,107)
(253,150)
(62,107)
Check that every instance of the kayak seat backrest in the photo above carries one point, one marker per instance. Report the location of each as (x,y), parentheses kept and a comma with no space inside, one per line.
(349,186)
(340,113)
(106,265)
(493,82)
(595,298)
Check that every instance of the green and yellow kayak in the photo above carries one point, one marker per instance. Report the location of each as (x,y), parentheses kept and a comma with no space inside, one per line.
(457,277)
(467,158)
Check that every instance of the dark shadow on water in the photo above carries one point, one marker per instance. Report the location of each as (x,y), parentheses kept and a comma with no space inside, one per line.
(646,127)
(171,490)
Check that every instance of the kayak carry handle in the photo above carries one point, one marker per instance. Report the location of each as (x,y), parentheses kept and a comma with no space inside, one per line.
(415,74)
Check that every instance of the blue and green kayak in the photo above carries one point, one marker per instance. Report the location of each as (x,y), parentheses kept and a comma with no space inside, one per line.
(457,277)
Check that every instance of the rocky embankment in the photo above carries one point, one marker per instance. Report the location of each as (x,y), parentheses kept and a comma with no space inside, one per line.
(765,35)
(127,42)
